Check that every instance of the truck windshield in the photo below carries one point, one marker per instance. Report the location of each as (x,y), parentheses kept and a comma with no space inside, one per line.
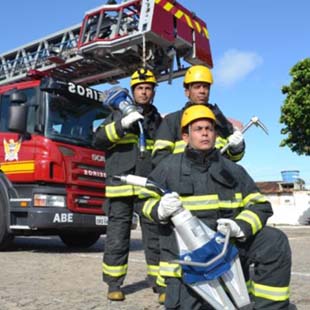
(73,122)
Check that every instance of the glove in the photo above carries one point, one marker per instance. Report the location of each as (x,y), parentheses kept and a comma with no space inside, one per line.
(169,204)
(235,231)
(236,139)
(131,118)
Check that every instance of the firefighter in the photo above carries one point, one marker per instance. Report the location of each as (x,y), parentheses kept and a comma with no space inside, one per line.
(118,136)
(197,82)
(221,194)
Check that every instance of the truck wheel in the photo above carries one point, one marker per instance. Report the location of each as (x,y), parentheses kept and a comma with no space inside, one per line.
(79,240)
(5,238)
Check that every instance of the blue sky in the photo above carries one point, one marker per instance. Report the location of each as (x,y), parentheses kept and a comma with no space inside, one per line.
(254,45)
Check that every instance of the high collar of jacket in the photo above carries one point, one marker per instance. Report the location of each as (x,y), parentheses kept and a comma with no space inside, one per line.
(214,162)
(189,103)
(200,157)
(146,109)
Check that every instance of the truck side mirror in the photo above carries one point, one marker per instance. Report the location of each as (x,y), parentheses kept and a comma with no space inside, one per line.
(18,98)
(18,111)
(18,118)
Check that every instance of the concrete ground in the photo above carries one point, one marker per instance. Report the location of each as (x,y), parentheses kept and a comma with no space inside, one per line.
(41,273)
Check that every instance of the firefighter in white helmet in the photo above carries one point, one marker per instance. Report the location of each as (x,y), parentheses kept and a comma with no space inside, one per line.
(197,83)
(221,194)
(118,136)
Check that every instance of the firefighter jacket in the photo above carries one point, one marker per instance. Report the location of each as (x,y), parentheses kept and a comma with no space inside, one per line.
(211,187)
(122,150)
(169,139)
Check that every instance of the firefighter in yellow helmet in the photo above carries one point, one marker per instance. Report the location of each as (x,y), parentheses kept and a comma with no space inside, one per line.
(118,137)
(198,73)
(197,83)
(143,76)
(196,112)
(223,196)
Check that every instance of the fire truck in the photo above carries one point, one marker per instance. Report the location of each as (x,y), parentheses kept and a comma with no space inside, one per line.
(51,175)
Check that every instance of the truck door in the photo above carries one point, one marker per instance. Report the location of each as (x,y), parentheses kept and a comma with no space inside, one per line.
(16,152)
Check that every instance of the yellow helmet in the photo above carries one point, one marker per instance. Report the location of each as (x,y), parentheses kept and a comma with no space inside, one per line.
(195,112)
(143,76)
(198,73)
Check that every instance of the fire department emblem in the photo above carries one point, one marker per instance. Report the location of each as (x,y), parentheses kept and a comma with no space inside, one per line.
(11,149)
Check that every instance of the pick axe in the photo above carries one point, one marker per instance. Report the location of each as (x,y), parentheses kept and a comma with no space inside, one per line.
(253,121)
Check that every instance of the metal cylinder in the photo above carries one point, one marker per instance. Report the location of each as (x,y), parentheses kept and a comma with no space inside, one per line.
(126,107)
(190,230)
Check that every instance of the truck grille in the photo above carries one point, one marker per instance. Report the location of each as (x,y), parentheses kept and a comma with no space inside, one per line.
(86,194)
(88,175)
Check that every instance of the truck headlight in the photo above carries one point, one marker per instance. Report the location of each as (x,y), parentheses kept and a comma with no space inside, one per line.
(43,200)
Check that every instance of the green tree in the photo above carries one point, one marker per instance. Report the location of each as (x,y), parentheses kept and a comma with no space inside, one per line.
(295,112)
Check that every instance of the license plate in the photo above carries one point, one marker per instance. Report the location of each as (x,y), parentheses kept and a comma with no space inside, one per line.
(101,220)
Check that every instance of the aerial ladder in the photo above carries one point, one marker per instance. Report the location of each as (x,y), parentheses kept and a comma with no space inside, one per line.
(112,41)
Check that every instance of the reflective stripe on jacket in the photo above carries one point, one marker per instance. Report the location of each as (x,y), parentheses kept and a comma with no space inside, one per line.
(122,149)
(169,137)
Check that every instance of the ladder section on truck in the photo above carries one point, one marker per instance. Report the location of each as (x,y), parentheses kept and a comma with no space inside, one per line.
(159,34)
(56,52)
(112,42)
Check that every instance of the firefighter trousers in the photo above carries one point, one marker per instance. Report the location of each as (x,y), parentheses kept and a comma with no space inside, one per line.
(266,262)
(150,238)
(116,250)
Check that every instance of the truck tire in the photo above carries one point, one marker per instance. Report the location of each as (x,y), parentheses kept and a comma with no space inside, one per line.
(79,240)
(5,238)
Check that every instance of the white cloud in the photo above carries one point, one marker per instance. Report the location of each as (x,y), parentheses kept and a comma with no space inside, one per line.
(235,65)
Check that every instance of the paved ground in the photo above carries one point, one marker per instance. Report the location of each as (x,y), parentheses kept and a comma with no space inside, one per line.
(40,273)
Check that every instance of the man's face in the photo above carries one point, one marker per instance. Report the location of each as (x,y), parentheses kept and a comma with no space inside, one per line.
(143,93)
(201,135)
(198,93)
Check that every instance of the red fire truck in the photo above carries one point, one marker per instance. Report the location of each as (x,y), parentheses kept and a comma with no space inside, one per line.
(51,176)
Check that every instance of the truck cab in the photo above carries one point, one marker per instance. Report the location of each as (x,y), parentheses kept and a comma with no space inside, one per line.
(55,174)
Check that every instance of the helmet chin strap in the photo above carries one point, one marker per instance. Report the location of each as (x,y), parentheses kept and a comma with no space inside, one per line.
(152,99)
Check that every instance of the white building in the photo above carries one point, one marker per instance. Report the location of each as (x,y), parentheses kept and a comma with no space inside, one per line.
(290,202)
